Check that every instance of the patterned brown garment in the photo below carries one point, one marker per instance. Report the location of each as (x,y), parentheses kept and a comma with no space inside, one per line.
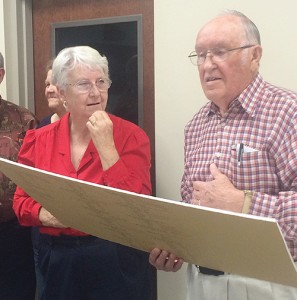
(14,122)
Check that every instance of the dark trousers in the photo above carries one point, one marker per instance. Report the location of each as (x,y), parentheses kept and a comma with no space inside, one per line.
(17,274)
(39,277)
(89,268)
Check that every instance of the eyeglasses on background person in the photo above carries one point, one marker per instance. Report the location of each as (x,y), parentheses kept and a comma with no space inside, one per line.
(218,54)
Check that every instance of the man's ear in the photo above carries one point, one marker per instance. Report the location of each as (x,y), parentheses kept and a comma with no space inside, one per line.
(257,53)
(2,73)
(255,59)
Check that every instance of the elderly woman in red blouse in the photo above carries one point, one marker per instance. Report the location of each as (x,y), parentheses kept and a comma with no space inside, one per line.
(91,145)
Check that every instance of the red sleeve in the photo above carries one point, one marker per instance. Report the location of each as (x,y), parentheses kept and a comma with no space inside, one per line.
(25,208)
(132,171)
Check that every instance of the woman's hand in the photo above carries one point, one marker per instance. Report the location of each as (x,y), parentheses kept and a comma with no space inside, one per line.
(163,260)
(48,220)
(101,130)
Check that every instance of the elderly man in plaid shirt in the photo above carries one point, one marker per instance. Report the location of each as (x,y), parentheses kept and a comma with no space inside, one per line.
(240,152)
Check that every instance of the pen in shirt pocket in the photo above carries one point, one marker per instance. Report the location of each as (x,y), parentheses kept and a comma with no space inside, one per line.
(240,149)
(239,153)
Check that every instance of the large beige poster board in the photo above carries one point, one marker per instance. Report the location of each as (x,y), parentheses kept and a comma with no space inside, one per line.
(235,243)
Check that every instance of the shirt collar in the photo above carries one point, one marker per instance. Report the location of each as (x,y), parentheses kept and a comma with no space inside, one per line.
(64,136)
(249,97)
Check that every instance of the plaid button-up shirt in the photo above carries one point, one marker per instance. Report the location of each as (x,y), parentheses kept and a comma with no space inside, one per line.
(264,120)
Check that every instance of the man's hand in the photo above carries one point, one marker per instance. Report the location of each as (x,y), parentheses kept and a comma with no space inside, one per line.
(218,193)
(163,260)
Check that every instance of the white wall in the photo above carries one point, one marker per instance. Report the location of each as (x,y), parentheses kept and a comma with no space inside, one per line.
(17,48)
(177,89)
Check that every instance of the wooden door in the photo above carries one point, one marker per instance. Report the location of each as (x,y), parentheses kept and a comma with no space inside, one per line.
(48,12)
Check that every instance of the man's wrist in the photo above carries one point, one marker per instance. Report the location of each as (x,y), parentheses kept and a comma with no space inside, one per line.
(247,201)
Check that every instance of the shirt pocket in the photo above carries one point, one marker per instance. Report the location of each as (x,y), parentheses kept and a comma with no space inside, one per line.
(256,171)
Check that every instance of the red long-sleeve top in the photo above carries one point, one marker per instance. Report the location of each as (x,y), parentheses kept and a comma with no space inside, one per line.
(48,148)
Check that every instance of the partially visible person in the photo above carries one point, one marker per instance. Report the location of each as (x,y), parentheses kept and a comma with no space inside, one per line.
(90,145)
(240,152)
(55,104)
(17,276)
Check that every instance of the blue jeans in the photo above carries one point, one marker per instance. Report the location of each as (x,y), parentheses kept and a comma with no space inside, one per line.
(17,274)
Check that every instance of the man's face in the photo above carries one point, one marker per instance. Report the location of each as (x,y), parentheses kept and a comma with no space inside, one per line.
(223,81)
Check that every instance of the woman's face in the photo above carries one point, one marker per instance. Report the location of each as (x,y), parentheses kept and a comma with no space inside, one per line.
(82,95)
(55,103)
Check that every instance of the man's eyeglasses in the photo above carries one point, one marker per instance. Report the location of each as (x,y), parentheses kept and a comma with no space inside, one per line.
(85,86)
(217,54)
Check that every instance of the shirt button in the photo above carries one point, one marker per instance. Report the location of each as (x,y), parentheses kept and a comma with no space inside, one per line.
(218,154)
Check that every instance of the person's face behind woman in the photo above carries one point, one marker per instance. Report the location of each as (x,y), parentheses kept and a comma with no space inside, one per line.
(55,103)
(82,95)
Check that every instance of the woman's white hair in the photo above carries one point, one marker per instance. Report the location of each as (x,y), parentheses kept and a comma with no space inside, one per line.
(69,58)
